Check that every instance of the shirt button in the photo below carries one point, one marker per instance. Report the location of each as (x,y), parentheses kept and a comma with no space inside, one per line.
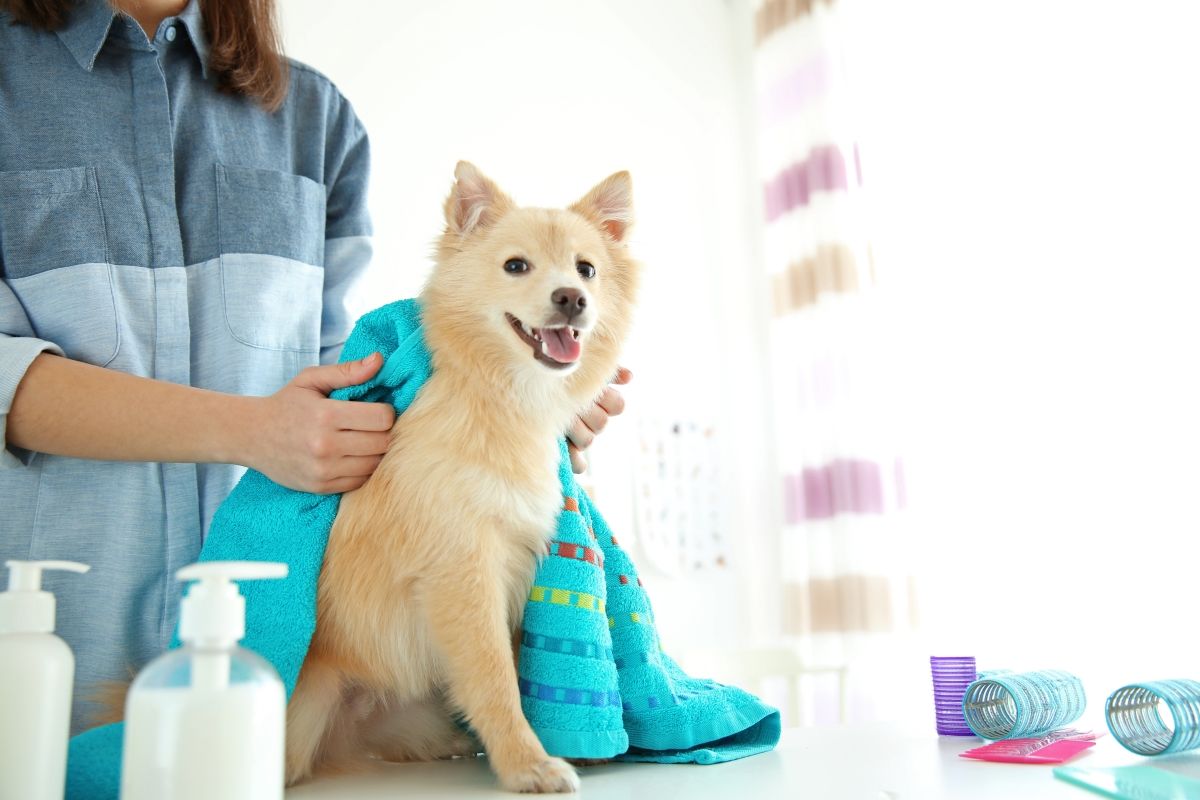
(170,34)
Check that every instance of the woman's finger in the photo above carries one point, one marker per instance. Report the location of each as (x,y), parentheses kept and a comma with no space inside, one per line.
(363,443)
(350,416)
(611,401)
(580,435)
(578,462)
(355,466)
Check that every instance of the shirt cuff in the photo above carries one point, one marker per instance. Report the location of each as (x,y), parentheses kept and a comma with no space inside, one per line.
(16,354)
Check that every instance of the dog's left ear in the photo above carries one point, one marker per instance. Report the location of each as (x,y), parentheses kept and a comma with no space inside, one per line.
(610,205)
(475,201)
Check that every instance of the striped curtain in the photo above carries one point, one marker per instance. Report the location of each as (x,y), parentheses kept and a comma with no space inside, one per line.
(842,568)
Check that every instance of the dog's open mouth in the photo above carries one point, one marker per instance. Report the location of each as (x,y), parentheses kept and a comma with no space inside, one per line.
(555,347)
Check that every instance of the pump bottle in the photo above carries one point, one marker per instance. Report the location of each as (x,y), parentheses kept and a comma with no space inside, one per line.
(206,720)
(37,671)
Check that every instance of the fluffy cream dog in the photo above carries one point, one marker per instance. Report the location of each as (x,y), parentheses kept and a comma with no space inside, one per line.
(429,564)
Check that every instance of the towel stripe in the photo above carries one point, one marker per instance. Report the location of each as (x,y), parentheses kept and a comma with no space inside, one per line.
(575,551)
(635,618)
(652,702)
(564,597)
(625,580)
(570,504)
(561,694)
(572,647)
(632,659)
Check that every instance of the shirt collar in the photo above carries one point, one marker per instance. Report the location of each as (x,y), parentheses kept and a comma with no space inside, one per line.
(193,20)
(87,30)
(91,21)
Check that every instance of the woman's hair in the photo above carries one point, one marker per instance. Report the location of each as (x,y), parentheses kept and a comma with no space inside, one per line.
(245,51)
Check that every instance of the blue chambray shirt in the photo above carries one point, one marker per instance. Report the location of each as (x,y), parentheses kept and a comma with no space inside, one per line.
(150,224)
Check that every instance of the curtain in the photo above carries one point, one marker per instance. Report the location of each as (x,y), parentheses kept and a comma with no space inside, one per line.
(835,369)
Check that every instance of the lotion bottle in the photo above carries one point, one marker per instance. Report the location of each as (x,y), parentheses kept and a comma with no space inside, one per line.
(206,720)
(37,673)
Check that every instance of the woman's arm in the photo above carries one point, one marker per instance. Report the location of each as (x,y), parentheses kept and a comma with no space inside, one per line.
(297,437)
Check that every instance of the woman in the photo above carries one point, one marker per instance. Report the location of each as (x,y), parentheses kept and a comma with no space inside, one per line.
(182,212)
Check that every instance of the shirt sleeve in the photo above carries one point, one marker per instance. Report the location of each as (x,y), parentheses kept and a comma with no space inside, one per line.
(347,223)
(18,348)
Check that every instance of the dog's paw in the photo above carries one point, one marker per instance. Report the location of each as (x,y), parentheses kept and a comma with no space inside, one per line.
(550,775)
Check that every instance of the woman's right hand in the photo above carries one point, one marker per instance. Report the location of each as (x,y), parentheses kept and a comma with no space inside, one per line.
(313,444)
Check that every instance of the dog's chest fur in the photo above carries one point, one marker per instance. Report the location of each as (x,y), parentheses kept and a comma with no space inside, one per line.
(453,491)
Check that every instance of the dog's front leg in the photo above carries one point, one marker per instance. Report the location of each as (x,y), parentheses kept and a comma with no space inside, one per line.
(468,618)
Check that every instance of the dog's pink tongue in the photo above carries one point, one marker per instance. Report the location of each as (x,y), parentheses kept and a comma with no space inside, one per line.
(560,344)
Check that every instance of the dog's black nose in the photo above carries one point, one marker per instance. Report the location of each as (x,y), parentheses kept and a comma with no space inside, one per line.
(570,302)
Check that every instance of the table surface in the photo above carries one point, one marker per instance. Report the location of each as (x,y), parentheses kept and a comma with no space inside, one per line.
(868,762)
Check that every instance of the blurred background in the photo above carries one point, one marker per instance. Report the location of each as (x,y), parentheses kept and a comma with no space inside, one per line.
(915,364)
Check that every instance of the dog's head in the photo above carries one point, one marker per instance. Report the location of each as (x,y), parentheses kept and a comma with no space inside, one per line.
(546,294)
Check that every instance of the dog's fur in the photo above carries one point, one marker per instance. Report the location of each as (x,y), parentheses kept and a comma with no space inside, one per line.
(429,564)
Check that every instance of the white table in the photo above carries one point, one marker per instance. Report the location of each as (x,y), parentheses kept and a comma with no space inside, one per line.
(855,762)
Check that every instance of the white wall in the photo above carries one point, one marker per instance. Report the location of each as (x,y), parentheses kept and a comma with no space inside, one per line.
(549,97)
(1036,165)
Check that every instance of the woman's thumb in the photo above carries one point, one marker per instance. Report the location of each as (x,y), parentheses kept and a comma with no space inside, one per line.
(328,377)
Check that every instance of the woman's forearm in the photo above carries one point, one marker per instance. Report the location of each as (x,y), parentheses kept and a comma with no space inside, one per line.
(70,408)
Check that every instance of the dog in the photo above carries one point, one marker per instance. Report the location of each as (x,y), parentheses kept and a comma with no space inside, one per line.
(430,562)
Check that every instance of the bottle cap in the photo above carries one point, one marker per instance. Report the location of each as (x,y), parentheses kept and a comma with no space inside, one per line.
(25,607)
(214,612)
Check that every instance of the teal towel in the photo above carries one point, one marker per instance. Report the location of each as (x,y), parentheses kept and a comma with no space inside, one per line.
(594,681)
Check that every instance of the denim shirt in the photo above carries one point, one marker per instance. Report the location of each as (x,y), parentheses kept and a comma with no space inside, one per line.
(154,225)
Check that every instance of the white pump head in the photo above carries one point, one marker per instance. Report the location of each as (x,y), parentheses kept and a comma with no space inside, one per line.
(214,612)
(25,608)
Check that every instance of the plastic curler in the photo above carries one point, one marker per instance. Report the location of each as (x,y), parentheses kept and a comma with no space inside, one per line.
(1136,719)
(1018,705)
(951,677)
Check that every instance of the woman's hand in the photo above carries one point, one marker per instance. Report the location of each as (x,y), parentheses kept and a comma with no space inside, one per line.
(591,422)
(311,443)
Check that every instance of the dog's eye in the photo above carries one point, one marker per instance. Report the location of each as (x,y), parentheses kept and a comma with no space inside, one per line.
(515,266)
(585,269)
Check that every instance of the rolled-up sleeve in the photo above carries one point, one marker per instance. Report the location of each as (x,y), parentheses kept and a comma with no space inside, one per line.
(18,348)
(347,223)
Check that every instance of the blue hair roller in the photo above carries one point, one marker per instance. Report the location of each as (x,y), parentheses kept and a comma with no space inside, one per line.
(1135,716)
(1017,705)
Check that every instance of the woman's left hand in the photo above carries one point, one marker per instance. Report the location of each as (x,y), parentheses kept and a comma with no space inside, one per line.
(591,422)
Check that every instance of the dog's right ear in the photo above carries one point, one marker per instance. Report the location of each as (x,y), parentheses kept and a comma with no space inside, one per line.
(475,201)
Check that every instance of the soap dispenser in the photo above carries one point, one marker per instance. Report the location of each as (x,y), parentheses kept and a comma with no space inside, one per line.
(206,720)
(37,671)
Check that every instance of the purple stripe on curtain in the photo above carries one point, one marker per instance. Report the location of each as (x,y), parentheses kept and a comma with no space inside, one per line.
(823,171)
(794,91)
(844,486)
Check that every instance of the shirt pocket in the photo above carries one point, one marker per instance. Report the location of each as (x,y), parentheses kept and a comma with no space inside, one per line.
(272,240)
(54,254)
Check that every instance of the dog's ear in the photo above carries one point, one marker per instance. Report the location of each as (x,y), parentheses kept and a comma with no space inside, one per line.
(475,201)
(610,205)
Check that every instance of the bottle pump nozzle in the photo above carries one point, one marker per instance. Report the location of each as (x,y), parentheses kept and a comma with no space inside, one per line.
(214,612)
(212,616)
(25,607)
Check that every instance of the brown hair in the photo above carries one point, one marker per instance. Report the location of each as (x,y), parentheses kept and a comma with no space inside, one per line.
(245,50)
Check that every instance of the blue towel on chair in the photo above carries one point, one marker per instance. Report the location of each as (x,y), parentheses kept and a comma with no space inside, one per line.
(594,681)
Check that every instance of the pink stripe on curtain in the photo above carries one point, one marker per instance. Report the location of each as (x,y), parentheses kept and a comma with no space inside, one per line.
(798,88)
(823,171)
(843,486)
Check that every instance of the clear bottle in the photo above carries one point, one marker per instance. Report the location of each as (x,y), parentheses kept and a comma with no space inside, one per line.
(37,673)
(206,720)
